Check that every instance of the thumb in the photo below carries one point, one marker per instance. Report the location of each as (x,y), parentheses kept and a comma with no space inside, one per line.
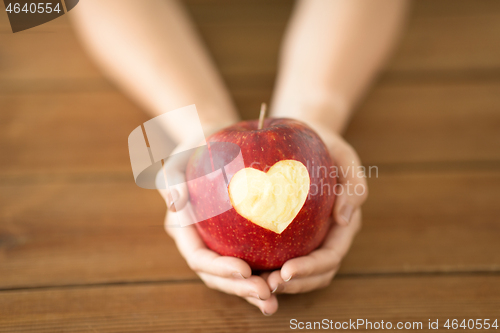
(172,179)
(176,196)
(352,189)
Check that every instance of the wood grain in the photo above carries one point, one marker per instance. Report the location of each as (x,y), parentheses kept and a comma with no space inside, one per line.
(191,307)
(82,248)
(93,231)
(56,133)
(428,123)
(244,39)
(66,133)
(86,231)
(47,53)
(429,222)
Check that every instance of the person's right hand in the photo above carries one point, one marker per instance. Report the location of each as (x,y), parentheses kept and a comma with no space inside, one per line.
(227,274)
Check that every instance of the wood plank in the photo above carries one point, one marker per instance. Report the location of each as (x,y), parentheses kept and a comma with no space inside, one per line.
(90,231)
(71,215)
(248,11)
(192,307)
(49,52)
(61,133)
(418,122)
(454,8)
(96,230)
(428,122)
(60,22)
(438,38)
(53,133)
(449,44)
(244,39)
(429,222)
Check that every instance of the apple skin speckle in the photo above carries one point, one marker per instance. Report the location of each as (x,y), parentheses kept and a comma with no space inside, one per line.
(230,234)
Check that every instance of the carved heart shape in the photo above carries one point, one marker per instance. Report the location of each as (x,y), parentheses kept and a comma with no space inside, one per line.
(273,199)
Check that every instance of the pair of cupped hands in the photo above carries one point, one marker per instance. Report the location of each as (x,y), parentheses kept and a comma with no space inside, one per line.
(313,271)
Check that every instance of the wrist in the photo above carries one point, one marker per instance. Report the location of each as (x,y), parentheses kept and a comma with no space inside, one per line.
(213,127)
(325,111)
(329,136)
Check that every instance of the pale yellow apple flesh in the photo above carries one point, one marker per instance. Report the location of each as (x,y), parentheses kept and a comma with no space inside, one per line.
(273,199)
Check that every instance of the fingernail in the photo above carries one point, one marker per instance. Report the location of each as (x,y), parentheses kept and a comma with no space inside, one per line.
(279,288)
(346,212)
(172,197)
(255,295)
(289,278)
(266,314)
(238,275)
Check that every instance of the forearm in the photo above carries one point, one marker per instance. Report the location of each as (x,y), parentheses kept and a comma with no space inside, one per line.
(332,51)
(150,49)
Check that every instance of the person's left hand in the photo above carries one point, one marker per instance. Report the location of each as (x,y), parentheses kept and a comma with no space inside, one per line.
(317,269)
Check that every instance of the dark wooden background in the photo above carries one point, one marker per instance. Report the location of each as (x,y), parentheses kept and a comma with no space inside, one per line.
(82,248)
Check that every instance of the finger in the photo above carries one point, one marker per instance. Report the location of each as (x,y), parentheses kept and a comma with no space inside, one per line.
(171,179)
(265,275)
(275,281)
(176,221)
(267,307)
(317,262)
(298,285)
(328,256)
(176,196)
(207,261)
(201,259)
(352,189)
(303,285)
(254,286)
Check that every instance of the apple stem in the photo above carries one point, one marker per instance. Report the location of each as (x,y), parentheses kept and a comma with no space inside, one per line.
(263,109)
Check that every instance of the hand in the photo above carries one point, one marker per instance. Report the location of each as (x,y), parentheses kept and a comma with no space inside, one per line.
(227,274)
(317,269)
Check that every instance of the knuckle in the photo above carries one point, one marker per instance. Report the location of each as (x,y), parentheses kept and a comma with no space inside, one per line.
(210,284)
(327,280)
(166,228)
(193,265)
(348,152)
(293,269)
(335,258)
(242,293)
(252,284)
(293,288)
(296,291)
(209,281)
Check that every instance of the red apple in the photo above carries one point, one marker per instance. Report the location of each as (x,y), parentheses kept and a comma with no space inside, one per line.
(278,200)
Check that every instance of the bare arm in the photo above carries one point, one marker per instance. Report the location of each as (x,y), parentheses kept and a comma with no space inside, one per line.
(151,50)
(331,53)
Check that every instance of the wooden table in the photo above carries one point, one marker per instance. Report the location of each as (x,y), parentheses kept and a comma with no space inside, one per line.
(82,248)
